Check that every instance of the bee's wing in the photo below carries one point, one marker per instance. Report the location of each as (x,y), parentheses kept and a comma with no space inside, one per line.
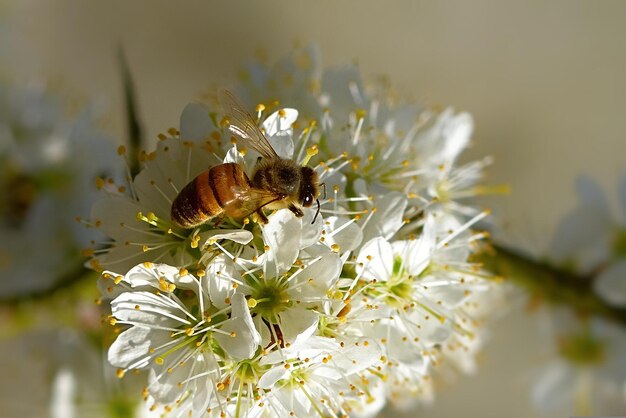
(248,200)
(243,125)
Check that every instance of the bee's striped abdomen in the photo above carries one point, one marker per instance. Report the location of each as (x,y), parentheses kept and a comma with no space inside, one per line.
(206,196)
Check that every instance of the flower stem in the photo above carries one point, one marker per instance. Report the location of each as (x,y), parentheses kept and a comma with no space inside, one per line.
(550,283)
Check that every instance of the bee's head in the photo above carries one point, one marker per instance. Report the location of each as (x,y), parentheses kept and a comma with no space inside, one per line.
(309,187)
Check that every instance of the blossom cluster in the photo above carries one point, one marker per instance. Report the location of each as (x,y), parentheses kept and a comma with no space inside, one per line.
(587,371)
(48,162)
(373,300)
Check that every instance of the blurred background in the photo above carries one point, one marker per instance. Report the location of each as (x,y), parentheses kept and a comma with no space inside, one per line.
(545,82)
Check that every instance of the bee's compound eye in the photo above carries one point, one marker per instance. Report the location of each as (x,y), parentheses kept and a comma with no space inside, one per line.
(308,200)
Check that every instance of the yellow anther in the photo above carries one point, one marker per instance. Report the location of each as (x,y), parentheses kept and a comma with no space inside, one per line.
(120,373)
(310,152)
(173,131)
(360,113)
(189,332)
(201,273)
(252,303)
(100,183)
(260,107)
(183,272)
(159,360)
(148,265)
(112,321)
(145,248)
(121,150)
(335,248)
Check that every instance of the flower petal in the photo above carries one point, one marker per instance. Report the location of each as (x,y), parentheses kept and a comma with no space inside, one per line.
(282,234)
(375,260)
(611,284)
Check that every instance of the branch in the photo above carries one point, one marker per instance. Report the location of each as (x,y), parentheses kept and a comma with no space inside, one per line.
(555,285)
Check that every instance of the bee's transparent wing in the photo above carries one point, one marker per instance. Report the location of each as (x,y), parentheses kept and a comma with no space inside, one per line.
(242,124)
(248,200)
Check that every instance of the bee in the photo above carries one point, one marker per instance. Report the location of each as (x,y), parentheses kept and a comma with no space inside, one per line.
(226,190)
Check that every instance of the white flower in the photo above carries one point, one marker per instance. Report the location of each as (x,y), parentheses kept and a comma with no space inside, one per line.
(326,314)
(319,376)
(139,221)
(178,334)
(585,374)
(48,167)
(592,241)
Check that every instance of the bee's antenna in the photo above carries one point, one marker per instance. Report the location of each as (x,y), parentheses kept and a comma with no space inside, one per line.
(318,211)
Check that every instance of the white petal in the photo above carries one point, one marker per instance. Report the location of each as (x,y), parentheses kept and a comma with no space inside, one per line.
(583,236)
(195,124)
(131,346)
(311,232)
(244,338)
(283,235)
(272,376)
(298,324)
(240,310)
(233,156)
(357,355)
(217,283)
(240,236)
(318,275)
(611,284)
(375,260)
(388,218)
(590,193)
(276,124)
(147,309)
(342,232)
(278,131)
(456,132)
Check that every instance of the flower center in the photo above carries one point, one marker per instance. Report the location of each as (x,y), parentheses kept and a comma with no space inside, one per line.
(399,287)
(582,349)
(271,298)
(248,371)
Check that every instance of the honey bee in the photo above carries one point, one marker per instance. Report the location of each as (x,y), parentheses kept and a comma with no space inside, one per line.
(226,190)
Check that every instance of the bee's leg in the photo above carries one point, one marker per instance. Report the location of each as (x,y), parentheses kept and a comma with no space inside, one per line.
(296,211)
(218,221)
(261,218)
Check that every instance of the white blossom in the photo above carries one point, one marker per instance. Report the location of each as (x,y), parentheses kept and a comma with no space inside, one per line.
(334,313)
